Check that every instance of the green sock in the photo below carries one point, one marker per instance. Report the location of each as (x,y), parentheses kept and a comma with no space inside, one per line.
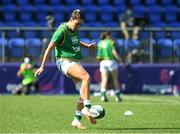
(117,93)
(103,94)
(87,104)
(78,117)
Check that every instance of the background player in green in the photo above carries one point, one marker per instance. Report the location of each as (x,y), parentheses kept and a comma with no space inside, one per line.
(29,81)
(109,59)
(68,54)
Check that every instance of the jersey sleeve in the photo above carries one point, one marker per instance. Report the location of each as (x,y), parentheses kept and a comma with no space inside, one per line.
(22,65)
(58,37)
(113,45)
(99,51)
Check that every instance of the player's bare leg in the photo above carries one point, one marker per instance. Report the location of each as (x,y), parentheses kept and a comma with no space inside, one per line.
(116,83)
(78,115)
(76,71)
(104,80)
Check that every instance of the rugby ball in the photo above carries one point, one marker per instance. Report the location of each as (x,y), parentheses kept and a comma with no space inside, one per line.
(97,111)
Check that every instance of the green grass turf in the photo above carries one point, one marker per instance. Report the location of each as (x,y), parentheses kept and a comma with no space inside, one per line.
(53,114)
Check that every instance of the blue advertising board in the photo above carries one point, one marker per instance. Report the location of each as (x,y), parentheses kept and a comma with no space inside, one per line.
(136,78)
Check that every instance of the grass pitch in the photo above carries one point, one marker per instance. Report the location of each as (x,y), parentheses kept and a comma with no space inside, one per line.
(53,114)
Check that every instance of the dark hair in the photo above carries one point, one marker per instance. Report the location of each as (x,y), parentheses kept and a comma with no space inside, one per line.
(104,35)
(77,13)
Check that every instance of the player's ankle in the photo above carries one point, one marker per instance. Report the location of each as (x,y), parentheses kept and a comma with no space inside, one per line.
(78,115)
(87,104)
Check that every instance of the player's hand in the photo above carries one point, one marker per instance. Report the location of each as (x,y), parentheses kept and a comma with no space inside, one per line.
(39,71)
(92,46)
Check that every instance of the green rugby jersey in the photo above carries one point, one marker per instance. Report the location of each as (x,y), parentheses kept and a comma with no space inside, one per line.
(28,75)
(67,43)
(105,48)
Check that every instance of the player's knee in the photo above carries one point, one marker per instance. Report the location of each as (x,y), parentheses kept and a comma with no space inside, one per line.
(86,78)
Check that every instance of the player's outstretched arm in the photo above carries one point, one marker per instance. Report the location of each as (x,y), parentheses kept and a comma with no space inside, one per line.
(91,46)
(45,58)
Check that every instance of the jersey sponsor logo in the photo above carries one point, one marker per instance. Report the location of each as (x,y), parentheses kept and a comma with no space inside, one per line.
(74,39)
(76,49)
